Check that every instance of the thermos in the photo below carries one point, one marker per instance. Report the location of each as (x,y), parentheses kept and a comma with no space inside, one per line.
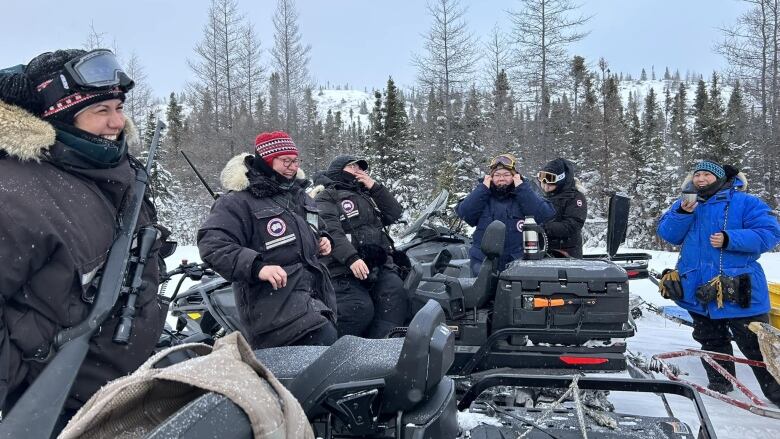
(533,245)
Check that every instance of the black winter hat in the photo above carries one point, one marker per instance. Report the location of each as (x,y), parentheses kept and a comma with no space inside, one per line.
(341,161)
(557,166)
(35,89)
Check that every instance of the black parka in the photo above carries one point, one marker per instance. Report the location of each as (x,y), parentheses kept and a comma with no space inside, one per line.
(57,223)
(571,209)
(355,218)
(263,221)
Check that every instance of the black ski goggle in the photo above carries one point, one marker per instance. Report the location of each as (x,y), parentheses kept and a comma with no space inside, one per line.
(98,70)
(550,177)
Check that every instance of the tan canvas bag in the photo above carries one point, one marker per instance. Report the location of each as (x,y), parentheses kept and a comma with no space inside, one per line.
(132,406)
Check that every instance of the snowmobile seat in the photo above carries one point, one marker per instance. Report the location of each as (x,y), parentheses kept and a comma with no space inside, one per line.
(476,291)
(399,371)
(369,386)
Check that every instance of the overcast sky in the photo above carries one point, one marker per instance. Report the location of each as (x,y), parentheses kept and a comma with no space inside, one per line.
(361,42)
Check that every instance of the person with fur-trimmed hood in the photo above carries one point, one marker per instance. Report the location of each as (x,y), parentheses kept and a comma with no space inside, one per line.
(65,174)
(356,209)
(722,231)
(264,236)
(564,231)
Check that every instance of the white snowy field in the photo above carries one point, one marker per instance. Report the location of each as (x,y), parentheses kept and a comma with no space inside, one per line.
(655,335)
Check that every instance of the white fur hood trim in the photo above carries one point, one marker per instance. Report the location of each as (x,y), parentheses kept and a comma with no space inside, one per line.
(741,176)
(26,137)
(233,176)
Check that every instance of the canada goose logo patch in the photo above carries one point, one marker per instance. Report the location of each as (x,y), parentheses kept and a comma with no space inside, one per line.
(520,225)
(348,206)
(276,227)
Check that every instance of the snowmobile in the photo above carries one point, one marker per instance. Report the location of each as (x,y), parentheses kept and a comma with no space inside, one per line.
(537,313)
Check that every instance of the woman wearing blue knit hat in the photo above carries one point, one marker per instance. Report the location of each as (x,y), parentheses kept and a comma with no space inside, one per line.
(722,232)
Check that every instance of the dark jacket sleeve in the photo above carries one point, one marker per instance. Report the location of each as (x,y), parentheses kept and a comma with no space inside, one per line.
(223,241)
(471,207)
(343,250)
(534,204)
(19,261)
(572,218)
(390,207)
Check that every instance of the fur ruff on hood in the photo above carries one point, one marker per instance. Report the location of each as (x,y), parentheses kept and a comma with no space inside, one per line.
(26,137)
(233,176)
(580,188)
(688,182)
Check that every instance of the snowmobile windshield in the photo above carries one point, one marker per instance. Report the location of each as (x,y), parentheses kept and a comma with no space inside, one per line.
(436,205)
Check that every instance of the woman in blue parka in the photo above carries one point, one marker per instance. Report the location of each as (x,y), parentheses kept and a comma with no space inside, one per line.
(502,195)
(723,233)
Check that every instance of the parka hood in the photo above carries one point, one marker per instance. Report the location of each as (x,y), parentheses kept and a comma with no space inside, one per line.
(27,137)
(561,165)
(234,175)
(740,183)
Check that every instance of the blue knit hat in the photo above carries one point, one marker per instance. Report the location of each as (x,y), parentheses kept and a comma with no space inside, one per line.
(711,167)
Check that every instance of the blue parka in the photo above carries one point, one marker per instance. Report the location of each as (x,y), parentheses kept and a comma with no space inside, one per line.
(751,230)
(481,207)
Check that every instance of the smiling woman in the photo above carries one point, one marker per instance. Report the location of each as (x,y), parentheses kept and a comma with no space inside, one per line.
(65,175)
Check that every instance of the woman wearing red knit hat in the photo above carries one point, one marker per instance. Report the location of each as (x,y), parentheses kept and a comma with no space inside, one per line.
(264,236)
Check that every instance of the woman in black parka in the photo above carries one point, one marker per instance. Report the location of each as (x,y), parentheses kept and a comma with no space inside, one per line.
(264,237)
(65,174)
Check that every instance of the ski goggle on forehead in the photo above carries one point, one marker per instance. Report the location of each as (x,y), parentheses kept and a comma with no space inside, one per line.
(503,160)
(98,70)
(550,177)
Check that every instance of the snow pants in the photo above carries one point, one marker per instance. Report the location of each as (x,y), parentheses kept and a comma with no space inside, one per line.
(716,335)
(370,308)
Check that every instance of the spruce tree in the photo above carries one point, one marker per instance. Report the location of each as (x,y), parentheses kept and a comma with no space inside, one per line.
(715,135)
(500,137)
(274,110)
(162,186)
(578,71)
(309,140)
(701,121)
(679,133)
(737,119)
(175,122)
(652,177)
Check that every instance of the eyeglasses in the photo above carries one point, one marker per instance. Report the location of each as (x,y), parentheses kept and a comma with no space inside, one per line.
(505,160)
(502,175)
(289,162)
(550,177)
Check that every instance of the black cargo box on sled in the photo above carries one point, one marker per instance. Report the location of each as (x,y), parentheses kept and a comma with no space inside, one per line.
(564,301)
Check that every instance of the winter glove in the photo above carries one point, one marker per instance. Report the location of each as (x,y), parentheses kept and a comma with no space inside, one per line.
(670,286)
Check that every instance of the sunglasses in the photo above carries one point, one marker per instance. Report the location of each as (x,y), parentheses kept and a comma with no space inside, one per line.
(549,177)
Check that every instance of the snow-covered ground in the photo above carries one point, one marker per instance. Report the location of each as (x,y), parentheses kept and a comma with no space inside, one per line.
(655,335)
